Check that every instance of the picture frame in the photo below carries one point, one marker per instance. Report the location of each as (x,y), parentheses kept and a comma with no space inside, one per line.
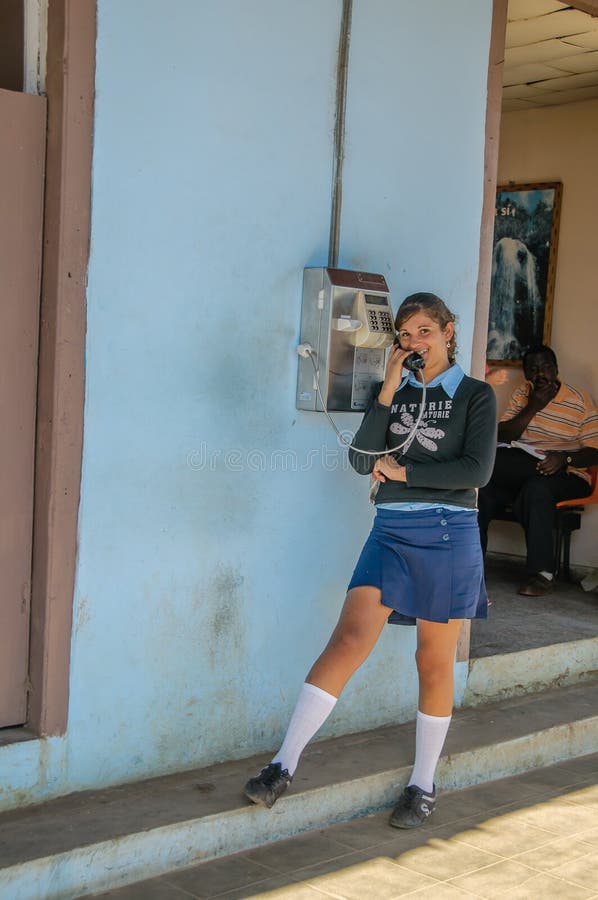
(524,254)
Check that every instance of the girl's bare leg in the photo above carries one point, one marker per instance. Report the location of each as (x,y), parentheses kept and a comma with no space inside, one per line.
(435,657)
(362,619)
(359,626)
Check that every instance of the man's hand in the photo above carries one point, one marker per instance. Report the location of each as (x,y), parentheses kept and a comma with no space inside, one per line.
(388,469)
(540,396)
(553,462)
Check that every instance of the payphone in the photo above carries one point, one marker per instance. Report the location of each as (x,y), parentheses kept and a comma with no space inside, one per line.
(348,321)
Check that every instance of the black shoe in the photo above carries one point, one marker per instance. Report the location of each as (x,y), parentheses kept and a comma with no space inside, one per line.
(413,808)
(269,785)
(537,586)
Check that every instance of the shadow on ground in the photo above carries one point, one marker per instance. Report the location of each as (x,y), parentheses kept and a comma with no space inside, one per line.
(531,836)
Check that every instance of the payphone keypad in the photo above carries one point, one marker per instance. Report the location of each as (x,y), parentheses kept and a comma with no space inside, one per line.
(379,320)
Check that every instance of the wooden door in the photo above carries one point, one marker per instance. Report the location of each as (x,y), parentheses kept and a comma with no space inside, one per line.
(22,152)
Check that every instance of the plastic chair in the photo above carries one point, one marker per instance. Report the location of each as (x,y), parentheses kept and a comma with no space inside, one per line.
(567,520)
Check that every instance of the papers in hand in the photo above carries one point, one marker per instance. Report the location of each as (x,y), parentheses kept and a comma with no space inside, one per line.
(528,448)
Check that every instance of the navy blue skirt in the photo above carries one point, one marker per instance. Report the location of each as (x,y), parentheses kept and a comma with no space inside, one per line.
(427,563)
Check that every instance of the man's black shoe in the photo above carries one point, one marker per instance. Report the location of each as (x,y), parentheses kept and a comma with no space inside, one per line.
(537,586)
(413,808)
(269,785)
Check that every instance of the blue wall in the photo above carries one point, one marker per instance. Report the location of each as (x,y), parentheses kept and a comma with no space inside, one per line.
(412,190)
(218,525)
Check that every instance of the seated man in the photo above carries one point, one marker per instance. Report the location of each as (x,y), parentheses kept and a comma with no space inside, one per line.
(557,427)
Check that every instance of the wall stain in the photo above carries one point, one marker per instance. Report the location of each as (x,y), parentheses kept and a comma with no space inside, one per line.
(225,619)
(83,614)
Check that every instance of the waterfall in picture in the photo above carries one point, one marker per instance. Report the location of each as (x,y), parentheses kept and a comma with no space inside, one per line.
(516,313)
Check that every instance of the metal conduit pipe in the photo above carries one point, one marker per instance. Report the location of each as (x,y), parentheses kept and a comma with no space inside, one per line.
(339,132)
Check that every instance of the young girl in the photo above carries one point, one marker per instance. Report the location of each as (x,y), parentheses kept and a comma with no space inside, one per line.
(422,562)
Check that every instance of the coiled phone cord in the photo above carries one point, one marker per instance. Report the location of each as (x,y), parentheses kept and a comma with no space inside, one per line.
(406,443)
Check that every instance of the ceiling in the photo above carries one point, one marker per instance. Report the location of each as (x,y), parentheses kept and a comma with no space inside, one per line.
(551,55)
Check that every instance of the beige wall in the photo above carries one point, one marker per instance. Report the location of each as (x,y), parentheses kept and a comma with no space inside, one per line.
(560,143)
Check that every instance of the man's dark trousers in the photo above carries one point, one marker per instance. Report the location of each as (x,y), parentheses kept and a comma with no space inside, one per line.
(516,482)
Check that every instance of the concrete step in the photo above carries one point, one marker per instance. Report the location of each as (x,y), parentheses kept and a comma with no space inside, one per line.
(96,841)
(493,678)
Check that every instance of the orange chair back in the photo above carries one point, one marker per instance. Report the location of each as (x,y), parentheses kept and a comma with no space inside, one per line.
(590,498)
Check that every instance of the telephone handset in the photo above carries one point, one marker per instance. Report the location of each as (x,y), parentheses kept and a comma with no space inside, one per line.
(375,315)
(414,362)
(377,327)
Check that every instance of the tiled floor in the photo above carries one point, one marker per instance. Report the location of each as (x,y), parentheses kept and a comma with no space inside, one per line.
(534,836)
(568,613)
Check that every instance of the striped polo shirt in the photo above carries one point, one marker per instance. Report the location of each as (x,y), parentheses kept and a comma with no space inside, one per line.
(569,422)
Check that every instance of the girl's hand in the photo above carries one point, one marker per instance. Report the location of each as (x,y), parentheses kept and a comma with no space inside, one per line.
(394,371)
(394,365)
(387,468)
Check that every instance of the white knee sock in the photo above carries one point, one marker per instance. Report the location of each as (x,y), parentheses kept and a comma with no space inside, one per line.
(430,734)
(313,708)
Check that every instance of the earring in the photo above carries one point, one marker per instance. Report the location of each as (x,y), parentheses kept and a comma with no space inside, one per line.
(448,343)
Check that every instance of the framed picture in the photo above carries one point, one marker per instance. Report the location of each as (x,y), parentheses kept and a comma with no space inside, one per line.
(526,228)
